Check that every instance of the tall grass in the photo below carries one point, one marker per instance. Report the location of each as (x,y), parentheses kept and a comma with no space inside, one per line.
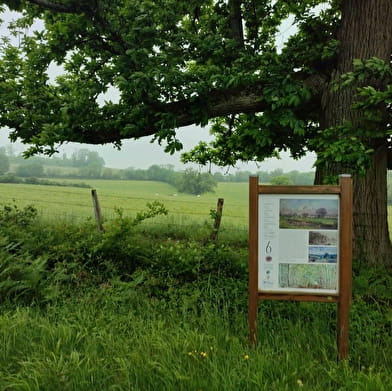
(136,308)
(116,338)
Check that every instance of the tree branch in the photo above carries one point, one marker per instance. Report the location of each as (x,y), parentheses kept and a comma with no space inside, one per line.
(236,22)
(49,5)
(217,103)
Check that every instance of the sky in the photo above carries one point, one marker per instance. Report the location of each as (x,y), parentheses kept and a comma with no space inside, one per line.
(142,153)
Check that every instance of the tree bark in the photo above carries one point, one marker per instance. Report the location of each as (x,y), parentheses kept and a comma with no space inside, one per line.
(365,32)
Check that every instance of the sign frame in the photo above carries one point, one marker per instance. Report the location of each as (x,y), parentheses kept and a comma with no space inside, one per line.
(342,296)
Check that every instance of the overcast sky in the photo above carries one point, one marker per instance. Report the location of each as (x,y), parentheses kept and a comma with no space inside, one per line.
(142,154)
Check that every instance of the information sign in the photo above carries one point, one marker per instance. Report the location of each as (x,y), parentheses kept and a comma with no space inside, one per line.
(300,245)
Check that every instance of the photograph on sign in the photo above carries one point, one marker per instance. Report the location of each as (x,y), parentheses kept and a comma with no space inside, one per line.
(308,214)
(299,243)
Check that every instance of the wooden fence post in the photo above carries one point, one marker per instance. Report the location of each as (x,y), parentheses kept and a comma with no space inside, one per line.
(218,217)
(97,210)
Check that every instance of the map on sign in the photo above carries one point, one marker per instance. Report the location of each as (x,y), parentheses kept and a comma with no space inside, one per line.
(299,243)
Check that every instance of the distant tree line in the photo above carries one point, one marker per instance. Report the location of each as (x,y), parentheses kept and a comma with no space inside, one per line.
(79,158)
(85,164)
(89,164)
(275,177)
(189,181)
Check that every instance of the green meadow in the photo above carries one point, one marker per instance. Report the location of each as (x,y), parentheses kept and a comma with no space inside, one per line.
(129,196)
(75,204)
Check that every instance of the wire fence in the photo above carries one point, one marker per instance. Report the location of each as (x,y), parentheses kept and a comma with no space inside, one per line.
(74,206)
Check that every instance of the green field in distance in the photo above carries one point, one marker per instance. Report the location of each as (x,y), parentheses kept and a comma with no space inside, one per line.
(130,196)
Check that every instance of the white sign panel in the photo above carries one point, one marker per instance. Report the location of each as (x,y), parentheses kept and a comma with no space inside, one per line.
(298,243)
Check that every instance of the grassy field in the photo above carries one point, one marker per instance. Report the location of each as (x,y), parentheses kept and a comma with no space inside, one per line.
(131,196)
(75,204)
(131,309)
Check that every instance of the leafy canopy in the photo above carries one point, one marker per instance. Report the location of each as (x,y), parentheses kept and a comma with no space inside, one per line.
(173,63)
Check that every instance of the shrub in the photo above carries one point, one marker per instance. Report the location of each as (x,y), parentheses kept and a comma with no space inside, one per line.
(11,214)
(119,243)
(193,182)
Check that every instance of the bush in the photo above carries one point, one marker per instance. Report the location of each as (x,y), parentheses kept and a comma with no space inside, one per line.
(12,215)
(193,182)
(281,180)
(76,255)
(119,242)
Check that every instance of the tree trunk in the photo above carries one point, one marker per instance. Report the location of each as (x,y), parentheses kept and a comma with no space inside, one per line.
(365,32)
(370,223)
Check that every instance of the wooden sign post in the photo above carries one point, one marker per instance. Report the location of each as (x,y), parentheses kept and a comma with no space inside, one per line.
(300,248)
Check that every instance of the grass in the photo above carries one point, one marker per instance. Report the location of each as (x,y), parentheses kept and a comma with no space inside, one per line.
(75,204)
(177,320)
(115,338)
(131,196)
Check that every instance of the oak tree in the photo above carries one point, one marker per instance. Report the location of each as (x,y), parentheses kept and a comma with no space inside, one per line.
(181,62)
